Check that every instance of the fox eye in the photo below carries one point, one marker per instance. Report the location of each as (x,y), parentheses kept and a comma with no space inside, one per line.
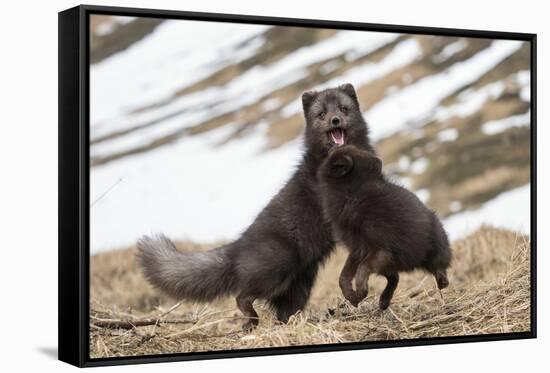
(322,115)
(344,109)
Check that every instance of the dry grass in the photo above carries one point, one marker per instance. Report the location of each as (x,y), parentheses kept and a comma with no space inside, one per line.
(489,293)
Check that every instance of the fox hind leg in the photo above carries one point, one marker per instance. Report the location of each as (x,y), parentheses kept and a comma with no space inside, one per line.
(441,278)
(387,294)
(245,304)
(362,281)
(296,296)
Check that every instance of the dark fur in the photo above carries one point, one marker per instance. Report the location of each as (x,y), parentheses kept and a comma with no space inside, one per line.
(278,256)
(386,228)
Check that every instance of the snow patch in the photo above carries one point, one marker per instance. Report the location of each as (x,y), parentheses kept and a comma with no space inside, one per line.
(455,206)
(188,190)
(330,66)
(450,50)
(419,165)
(497,126)
(165,61)
(403,163)
(470,101)
(195,108)
(449,134)
(403,54)
(418,101)
(523,78)
(511,209)
(423,195)
(271,104)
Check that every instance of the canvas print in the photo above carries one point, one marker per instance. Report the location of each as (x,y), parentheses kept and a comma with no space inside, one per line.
(258,186)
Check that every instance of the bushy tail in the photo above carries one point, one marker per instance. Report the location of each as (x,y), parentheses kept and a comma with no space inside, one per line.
(199,276)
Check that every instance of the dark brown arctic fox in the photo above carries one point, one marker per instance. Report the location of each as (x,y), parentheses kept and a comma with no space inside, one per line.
(277,258)
(386,228)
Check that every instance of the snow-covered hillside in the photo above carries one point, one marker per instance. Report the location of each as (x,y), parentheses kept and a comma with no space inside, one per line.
(197,125)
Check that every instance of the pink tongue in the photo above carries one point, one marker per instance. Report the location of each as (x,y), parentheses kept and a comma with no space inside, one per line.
(337,136)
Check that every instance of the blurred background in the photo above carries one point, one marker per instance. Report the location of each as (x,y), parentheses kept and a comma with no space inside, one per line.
(196,125)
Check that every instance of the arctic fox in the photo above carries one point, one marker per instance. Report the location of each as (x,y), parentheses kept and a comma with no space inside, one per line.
(386,228)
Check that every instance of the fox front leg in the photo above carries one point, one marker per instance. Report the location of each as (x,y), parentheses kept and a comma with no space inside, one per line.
(346,278)
(362,280)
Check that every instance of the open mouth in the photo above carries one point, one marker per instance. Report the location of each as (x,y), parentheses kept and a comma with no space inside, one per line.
(337,135)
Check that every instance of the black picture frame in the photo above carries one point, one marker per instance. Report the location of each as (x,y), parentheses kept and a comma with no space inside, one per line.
(74,165)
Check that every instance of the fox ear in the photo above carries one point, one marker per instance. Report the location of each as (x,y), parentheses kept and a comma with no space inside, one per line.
(307,99)
(375,164)
(350,91)
(339,165)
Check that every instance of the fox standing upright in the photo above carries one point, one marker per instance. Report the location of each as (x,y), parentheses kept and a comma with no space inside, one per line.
(386,228)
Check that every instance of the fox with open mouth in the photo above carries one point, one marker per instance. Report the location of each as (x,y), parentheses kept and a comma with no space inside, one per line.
(333,118)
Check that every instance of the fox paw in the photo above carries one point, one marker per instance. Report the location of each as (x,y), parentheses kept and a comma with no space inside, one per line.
(384,303)
(250,325)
